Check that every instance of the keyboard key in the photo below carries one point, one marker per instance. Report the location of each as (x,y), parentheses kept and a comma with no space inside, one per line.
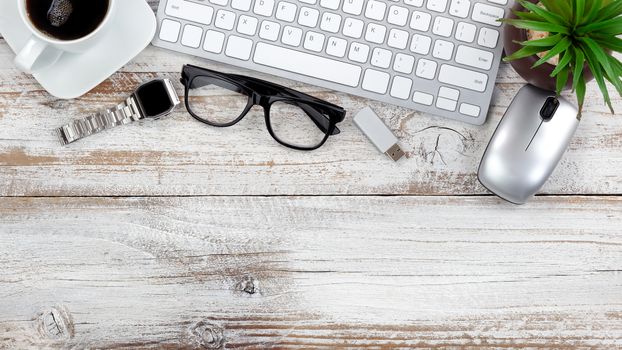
(242,5)
(264,7)
(421,44)
(466,32)
(307,64)
(423,98)
(487,14)
(169,30)
(443,50)
(401,88)
(500,2)
(375,33)
(488,38)
(225,19)
(381,58)
(330,4)
(330,22)
(463,78)
(192,36)
(473,57)
(358,52)
(437,5)
(353,28)
(426,69)
(219,2)
(336,47)
(470,110)
(449,93)
(398,39)
(269,30)
(286,11)
(398,15)
(404,63)
(247,25)
(308,17)
(460,8)
(446,104)
(291,36)
(189,11)
(239,48)
(443,26)
(420,21)
(214,41)
(375,10)
(376,81)
(416,3)
(353,7)
(314,41)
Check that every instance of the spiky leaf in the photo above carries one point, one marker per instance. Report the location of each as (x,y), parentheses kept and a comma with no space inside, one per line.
(579,63)
(598,75)
(562,80)
(525,52)
(549,41)
(581,88)
(536,25)
(610,26)
(556,50)
(563,63)
(547,15)
(610,11)
(609,42)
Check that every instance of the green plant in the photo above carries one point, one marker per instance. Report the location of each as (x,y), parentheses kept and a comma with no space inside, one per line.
(582,33)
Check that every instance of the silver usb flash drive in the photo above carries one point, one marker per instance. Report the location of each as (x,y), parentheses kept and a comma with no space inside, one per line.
(378,133)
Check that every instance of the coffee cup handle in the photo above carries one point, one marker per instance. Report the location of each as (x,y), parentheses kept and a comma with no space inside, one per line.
(32,54)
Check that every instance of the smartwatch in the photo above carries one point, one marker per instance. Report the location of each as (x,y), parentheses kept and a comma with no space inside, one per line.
(152,100)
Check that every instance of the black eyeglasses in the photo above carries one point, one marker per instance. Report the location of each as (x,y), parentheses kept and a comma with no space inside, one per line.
(294,119)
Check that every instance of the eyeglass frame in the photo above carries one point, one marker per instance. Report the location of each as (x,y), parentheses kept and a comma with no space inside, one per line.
(324,115)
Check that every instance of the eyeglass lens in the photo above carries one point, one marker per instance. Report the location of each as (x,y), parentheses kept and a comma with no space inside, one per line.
(293,126)
(216,101)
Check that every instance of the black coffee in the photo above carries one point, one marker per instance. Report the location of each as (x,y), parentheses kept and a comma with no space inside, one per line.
(67,19)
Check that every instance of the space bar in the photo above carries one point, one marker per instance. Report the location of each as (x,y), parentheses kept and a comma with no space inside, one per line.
(306,64)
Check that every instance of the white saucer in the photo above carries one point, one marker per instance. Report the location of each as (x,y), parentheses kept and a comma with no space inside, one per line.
(73,75)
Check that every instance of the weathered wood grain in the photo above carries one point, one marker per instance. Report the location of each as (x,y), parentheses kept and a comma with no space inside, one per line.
(178,155)
(331,272)
(295,272)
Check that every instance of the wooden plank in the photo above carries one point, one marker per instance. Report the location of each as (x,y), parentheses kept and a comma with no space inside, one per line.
(332,272)
(178,155)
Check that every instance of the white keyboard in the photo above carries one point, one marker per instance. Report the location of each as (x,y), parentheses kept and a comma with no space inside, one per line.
(436,56)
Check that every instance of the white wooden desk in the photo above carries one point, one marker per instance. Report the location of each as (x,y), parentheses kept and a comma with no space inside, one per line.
(172,234)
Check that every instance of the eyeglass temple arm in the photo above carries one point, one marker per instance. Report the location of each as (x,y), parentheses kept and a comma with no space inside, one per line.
(320,120)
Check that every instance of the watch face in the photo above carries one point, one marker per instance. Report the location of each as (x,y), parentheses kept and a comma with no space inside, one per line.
(154,99)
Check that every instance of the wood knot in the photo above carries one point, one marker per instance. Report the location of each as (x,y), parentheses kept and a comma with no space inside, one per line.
(247,285)
(207,335)
(55,323)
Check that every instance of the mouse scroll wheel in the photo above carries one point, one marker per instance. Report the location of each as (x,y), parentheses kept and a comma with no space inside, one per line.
(550,107)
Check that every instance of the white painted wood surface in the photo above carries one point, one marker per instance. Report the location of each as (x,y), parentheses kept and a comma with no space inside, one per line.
(172,234)
(312,272)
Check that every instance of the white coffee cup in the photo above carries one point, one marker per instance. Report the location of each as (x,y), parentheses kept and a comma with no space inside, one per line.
(42,50)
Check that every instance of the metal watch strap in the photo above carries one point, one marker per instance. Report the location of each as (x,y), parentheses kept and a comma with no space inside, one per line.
(122,114)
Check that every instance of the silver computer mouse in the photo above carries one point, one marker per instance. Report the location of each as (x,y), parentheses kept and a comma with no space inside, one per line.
(527,145)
